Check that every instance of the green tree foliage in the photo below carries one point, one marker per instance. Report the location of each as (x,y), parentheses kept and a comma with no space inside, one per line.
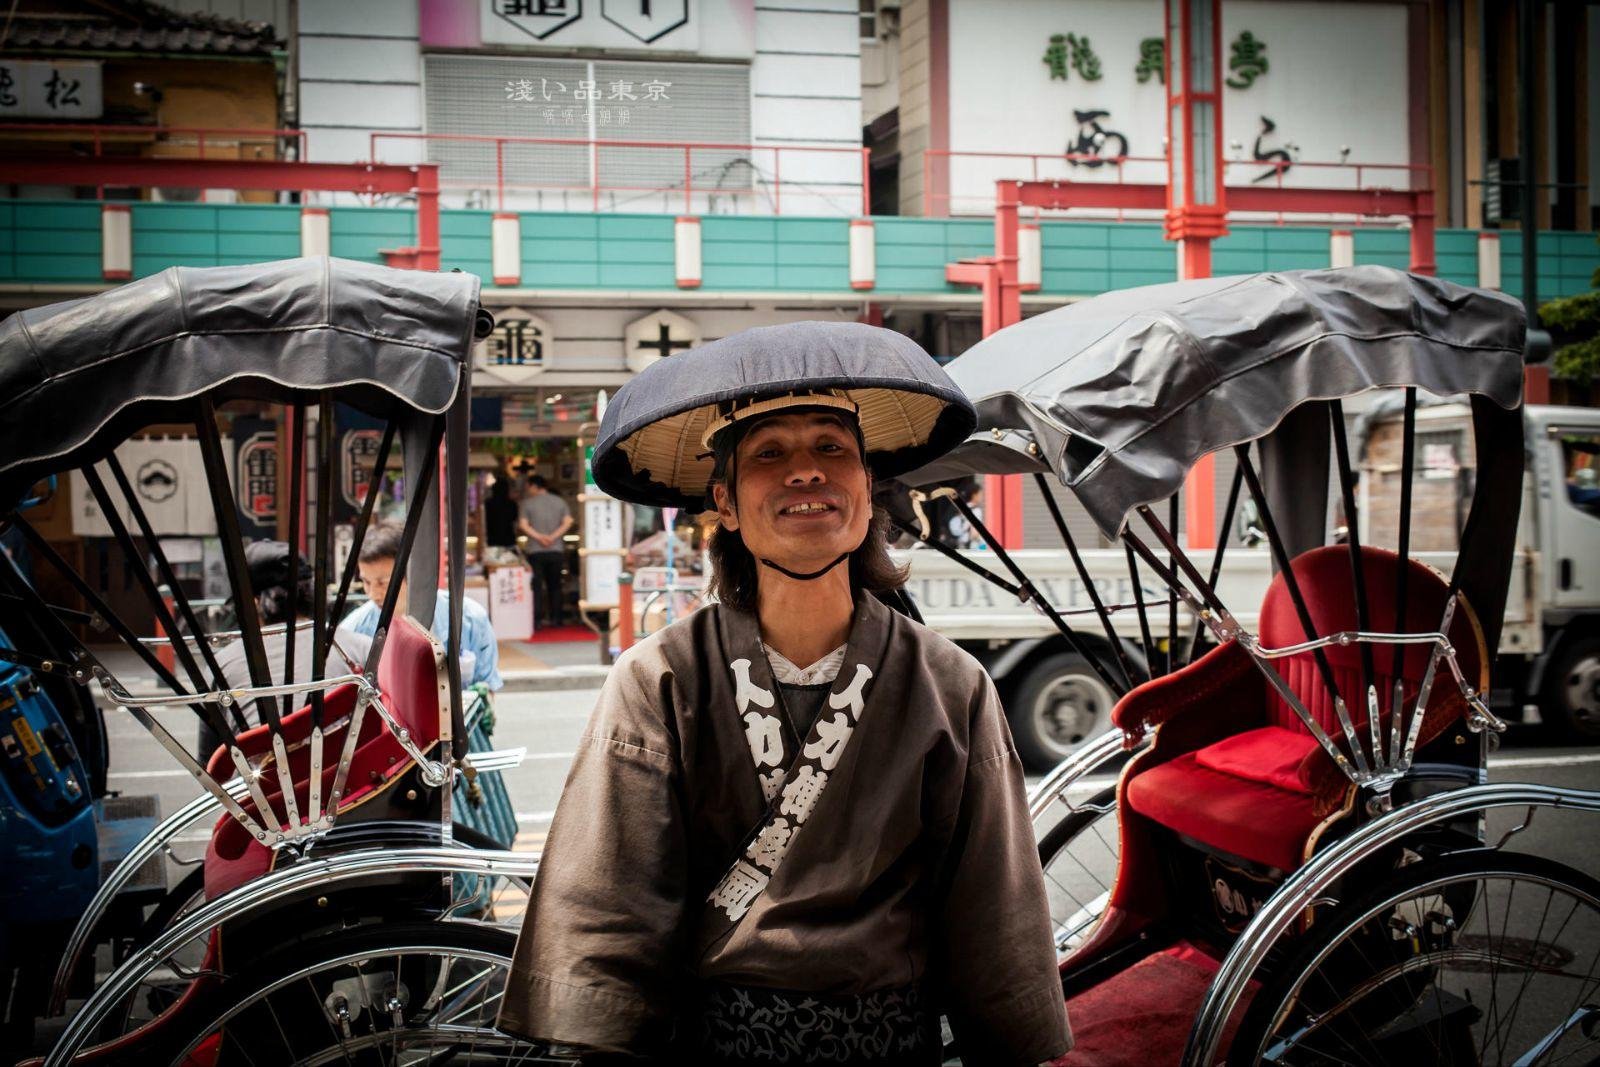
(1574,324)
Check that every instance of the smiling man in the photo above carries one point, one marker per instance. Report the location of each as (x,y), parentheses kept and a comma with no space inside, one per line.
(795,830)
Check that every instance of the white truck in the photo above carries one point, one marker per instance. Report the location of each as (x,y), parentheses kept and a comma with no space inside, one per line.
(1549,657)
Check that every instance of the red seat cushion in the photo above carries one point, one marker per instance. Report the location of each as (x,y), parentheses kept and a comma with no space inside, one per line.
(1271,755)
(1251,819)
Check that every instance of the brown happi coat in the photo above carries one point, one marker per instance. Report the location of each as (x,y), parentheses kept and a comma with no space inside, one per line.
(917,864)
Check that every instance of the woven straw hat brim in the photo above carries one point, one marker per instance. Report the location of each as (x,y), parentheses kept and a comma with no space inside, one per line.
(670,449)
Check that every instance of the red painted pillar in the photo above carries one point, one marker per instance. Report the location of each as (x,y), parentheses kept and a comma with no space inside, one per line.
(1197,210)
(1007,199)
(428,216)
(1422,249)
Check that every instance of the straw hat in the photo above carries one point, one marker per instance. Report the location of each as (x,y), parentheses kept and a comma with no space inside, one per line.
(655,437)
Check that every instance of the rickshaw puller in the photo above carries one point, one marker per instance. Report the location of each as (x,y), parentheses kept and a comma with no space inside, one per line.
(795,829)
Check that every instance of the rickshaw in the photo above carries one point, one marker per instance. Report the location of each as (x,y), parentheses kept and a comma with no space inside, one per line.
(353,903)
(1281,853)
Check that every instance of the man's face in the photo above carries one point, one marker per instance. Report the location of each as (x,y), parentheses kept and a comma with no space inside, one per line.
(375,578)
(803,496)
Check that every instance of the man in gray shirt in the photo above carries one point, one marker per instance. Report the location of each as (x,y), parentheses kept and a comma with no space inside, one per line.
(544,520)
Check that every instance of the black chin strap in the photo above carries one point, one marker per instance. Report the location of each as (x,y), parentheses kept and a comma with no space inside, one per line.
(806,577)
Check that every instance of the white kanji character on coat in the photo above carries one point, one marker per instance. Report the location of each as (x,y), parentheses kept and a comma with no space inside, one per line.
(800,795)
(853,696)
(771,782)
(738,889)
(765,736)
(831,737)
(771,843)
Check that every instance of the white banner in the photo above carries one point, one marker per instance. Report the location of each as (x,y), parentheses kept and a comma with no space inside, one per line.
(168,478)
(511,603)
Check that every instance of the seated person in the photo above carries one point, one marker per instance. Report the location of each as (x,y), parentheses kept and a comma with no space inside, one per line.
(268,563)
(379,550)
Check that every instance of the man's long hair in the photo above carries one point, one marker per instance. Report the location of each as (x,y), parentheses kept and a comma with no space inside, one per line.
(734,568)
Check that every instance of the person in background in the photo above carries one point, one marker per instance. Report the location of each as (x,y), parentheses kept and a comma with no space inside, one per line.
(376,563)
(545,519)
(500,515)
(268,565)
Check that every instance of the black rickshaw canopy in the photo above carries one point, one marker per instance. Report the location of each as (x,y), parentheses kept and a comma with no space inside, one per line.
(77,377)
(1122,393)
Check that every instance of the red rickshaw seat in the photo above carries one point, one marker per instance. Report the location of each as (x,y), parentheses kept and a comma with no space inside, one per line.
(1260,792)
(414,686)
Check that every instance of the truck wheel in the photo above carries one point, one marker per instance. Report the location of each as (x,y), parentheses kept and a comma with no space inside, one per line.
(1059,704)
(1571,697)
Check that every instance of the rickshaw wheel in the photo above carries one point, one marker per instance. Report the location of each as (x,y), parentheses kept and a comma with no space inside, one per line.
(407,993)
(1476,957)
(1079,855)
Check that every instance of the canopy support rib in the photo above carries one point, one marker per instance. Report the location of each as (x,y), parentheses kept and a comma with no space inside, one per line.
(319,580)
(169,577)
(295,427)
(415,508)
(1083,576)
(1138,603)
(1352,523)
(1222,547)
(374,489)
(1408,455)
(1170,660)
(1028,592)
(227,513)
(1324,668)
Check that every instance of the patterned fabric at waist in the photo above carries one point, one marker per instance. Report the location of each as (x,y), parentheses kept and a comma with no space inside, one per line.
(750,1024)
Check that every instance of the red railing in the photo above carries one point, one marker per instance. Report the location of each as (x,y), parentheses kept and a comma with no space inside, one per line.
(207,142)
(939,199)
(670,169)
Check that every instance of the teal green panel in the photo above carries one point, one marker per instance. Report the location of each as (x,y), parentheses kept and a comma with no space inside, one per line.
(1372,241)
(974,229)
(635,276)
(911,279)
(730,253)
(910,256)
(1299,239)
(575,250)
(1160,259)
(1128,279)
(559,226)
(734,228)
(462,223)
(817,230)
(397,223)
(1073,235)
(1075,281)
(1135,235)
(1076,259)
(628,251)
(1461,269)
(57,267)
(811,279)
(471,246)
(1447,242)
(159,242)
(52,216)
(1240,239)
(174,217)
(741,277)
(968,249)
(361,247)
(1294,260)
(259,218)
(65,242)
(1249,261)
(909,232)
(814,255)
(559,275)
(636,227)
(261,246)
(144,266)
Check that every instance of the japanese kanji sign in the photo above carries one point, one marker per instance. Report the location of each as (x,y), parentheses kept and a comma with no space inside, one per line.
(518,349)
(671,24)
(656,336)
(49,89)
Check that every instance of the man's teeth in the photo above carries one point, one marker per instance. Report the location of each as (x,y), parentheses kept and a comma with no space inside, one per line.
(797,509)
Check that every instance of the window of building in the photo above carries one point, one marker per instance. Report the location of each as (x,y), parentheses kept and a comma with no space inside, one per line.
(575,102)
(869,20)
